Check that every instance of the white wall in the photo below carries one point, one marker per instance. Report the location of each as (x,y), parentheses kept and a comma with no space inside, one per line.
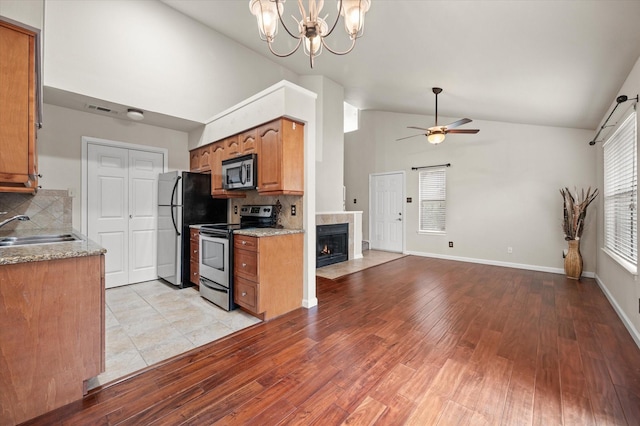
(329,153)
(621,287)
(147,55)
(60,141)
(28,12)
(502,186)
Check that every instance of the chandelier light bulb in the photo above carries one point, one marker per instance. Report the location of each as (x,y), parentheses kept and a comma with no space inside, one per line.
(266,13)
(353,13)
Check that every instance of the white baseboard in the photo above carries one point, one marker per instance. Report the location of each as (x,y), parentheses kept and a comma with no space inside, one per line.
(625,319)
(498,263)
(309,303)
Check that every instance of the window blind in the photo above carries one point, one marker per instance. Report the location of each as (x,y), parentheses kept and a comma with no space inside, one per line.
(620,191)
(433,206)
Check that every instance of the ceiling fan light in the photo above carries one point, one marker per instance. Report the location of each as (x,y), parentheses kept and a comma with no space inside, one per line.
(436,138)
(266,12)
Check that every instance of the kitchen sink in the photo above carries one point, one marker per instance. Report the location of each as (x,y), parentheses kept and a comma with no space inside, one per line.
(38,239)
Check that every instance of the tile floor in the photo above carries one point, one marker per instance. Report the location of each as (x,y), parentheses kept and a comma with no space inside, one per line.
(152,321)
(369,258)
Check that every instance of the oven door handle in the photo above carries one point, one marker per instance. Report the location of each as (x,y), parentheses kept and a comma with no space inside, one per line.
(204,281)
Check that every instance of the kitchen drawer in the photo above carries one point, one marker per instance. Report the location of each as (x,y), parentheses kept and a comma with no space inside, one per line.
(245,264)
(194,272)
(246,294)
(245,242)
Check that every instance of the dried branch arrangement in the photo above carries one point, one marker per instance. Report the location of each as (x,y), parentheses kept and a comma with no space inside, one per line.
(575,211)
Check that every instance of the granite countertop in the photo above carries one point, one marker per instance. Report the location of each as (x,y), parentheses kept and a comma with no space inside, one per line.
(267,232)
(39,252)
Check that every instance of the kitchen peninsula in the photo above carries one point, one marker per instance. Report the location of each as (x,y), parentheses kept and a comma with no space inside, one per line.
(52,314)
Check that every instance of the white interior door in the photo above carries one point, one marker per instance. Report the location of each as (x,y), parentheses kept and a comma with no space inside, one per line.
(122,210)
(386,219)
(107,208)
(144,168)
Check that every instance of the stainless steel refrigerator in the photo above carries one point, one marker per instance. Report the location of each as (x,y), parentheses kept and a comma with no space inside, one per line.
(184,199)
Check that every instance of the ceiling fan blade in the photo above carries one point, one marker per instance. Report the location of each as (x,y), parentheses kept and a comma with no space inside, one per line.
(471,131)
(413,136)
(418,128)
(458,123)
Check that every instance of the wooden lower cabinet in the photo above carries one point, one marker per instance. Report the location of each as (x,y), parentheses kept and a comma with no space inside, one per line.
(268,274)
(52,334)
(194,257)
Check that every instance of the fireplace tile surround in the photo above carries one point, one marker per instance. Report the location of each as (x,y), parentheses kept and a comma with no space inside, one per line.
(354,219)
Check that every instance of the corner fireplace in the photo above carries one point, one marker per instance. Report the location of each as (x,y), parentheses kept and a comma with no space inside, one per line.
(332,244)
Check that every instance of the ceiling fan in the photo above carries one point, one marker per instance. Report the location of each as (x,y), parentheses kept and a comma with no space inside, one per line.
(436,134)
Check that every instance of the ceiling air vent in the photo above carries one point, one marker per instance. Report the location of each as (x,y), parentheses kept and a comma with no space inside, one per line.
(101,109)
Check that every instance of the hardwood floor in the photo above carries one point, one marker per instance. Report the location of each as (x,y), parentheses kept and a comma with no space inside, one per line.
(414,341)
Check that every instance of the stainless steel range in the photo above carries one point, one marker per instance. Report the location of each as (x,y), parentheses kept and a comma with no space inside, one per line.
(216,253)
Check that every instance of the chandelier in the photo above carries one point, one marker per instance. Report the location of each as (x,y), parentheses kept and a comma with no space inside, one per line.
(312,29)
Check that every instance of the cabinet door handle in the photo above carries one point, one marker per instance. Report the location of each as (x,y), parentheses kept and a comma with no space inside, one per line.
(244,243)
(244,293)
(244,265)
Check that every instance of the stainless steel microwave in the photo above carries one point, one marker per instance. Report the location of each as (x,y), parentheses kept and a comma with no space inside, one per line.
(240,172)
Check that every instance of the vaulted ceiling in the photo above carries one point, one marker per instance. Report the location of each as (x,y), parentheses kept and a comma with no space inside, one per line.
(554,63)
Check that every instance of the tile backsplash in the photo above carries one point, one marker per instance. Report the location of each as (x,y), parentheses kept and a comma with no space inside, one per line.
(48,209)
(285,219)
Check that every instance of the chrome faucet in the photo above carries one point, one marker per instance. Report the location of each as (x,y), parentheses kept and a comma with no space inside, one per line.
(17,217)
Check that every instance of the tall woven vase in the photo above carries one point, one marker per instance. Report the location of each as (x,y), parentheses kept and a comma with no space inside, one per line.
(573,261)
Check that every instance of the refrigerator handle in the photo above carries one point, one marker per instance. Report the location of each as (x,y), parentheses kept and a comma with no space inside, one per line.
(173,220)
(175,188)
(173,195)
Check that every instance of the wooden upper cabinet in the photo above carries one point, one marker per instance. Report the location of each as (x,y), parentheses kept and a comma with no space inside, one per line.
(231,147)
(194,160)
(248,141)
(18,163)
(205,158)
(281,157)
(200,159)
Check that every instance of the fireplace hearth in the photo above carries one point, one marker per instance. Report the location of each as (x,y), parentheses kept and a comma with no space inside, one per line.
(332,244)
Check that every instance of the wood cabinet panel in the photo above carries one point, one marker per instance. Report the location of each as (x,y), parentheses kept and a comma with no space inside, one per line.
(194,256)
(18,163)
(52,334)
(246,294)
(194,160)
(281,157)
(277,280)
(200,159)
(249,141)
(245,264)
(205,159)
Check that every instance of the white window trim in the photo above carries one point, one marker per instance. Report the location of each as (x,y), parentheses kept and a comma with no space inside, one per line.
(427,231)
(629,266)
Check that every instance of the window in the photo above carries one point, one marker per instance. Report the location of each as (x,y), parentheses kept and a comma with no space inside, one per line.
(433,205)
(620,194)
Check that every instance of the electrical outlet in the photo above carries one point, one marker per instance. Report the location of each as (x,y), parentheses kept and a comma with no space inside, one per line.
(451,244)
(235,209)
(293,209)
(355,201)
(509,250)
